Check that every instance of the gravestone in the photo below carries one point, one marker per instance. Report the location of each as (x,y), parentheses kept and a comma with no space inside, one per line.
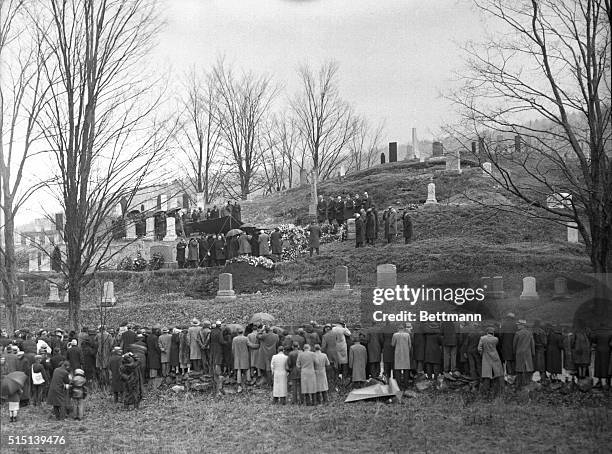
(150,232)
(382,158)
(67,297)
(453,162)
(392,151)
(517,143)
(386,276)
(130,230)
(226,288)
(486,169)
(529,289)
(437,149)
(572,232)
(350,229)
(53,293)
(108,294)
(170,229)
(485,282)
(431,194)
(167,252)
(497,287)
(560,288)
(341,284)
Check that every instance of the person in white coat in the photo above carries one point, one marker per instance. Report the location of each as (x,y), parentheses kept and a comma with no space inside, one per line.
(402,352)
(278,367)
(340,332)
(321,363)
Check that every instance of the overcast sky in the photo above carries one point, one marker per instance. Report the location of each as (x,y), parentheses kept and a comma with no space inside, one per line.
(395,56)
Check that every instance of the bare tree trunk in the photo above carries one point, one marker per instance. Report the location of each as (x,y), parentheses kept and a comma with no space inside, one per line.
(9,277)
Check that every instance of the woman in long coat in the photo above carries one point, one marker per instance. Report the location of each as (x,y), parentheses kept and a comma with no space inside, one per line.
(184,350)
(264,247)
(267,348)
(58,396)
(220,250)
(278,366)
(407,227)
(321,364)
(358,360)
(554,347)
(491,363)
(524,351)
(308,377)
(370,226)
(359,230)
(433,352)
(175,345)
(193,257)
(244,244)
(402,343)
(240,352)
(276,242)
(328,345)
(601,341)
(133,381)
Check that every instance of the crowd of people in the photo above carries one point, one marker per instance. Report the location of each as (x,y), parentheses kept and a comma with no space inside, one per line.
(215,250)
(229,209)
(302,363)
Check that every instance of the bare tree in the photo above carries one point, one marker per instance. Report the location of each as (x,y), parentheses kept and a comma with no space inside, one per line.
(364,144)
(105,140)
(281,142)
(244,105)
(23,94)
(199,136)
(324,119)
(549,62)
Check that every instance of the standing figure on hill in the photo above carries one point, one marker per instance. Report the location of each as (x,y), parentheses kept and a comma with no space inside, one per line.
(321,365)
(278,367)
(308,377)
(370,227)
(340,331)
(58,395)
(195,354)
(601,341)
(349,208)
(314,237)
(524,352)
(374,342)
(358,362)
(390,219)
(237,212)
(491,364)
(78,392)
(433,350)
(255,244)
(202,252)
(539,338)
(276,241)
(402,344)
(331,210)
(193,255)
(554,349)
(321,210)
(180,252)
(242,364)
(164,343)
(210,250)
(227,210)
(506,340)
(220,250)
(339,206)
(133,381)
(407,227)
(153,352)
(264,244)
(359,231)
(114,365)
(581,352)
(214,214)
(357,204)
(366,201)
(244,244)
(104,342)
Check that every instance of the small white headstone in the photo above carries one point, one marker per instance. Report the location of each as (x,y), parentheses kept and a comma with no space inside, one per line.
(572,232)
(170,229)
(487,169)
(431,194)
(108,294)
(351,230)
(529,289)
(341,285)
(130,230)
(67,296)
(560,288)
(150,235)
(226,288)
(386,276)
(53,293)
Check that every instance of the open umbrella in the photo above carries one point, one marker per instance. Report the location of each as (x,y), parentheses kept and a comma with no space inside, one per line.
(235,327)
(12,383)
(262,318)
(234,232)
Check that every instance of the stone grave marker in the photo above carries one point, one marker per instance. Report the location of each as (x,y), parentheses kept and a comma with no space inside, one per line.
(53,293)
(431,193)
(487,170)
(226,288)
(170,229)
(560,288)
(386,276)
(130,230)
(572,232)
(108,294)
(341,285)
(351,231)
(453,162)
(167,252)
(497,287)
(529,289)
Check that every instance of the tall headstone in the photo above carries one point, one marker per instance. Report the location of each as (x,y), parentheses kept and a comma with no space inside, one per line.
(560,288)
(497,287)
(392,151)
(487,170)
(529,289)
(108,294)
(226,288)
(170,229)
(53,293)
(350,229)
(415,146)
(67,297)
(431,193)
(386,276)
(382,158)
(303,177)
(572,232)
(341,284)
(453,162)
(150,235)
(437,149)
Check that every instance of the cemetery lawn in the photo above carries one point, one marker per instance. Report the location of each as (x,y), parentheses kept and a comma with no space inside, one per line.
(430,422)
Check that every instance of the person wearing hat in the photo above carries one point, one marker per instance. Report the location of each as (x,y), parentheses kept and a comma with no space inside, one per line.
(39,380)
(506,340)
(114,364)
(407,224)
(240,352)
(278,367)
(523,347)
(130,372)
(264,244)
(360,233)
(195,354)
(402,344)
(165,343)
(390,220)
(78,393)
(540,341)
(154,354)
(314,237)
(491,363)
(104,346)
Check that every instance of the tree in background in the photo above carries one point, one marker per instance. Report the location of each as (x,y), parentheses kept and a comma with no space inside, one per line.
(100,125)
(364,144)
(549,62)
(23,93)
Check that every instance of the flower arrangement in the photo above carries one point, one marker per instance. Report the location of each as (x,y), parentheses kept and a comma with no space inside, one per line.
(253,261)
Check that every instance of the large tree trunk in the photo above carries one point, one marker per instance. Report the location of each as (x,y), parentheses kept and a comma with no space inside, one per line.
(9,280)
(600,248)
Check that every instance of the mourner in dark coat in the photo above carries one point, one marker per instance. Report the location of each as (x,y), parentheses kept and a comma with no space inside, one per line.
(388,352)
(554,348)
(370,227)
(331,210)
(433,350)
(506,341)
(407,227)
(601,341)
(374,342)
(360,233)
(133,381)
(180,253)
(114,365)
(276,241)
(153,353)
(58,395)
(220,250)
(74,356)
(321,210)
(314,237)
